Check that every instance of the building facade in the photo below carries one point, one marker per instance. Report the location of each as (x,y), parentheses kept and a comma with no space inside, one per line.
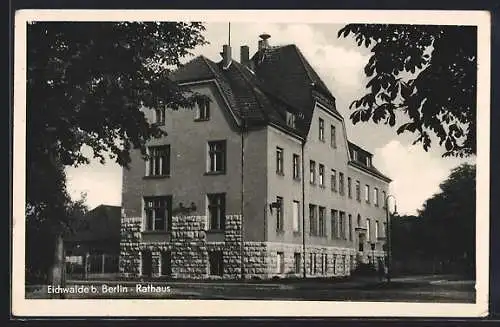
(258,180)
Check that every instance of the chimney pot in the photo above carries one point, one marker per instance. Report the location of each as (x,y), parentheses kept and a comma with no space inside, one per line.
(226,55)
(244,54)
(263,42)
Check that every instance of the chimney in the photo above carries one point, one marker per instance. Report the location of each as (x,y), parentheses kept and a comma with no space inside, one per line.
(244,54)
(226,56)
(263,43)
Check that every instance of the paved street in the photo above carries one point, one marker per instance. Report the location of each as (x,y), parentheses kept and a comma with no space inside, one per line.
(407,289)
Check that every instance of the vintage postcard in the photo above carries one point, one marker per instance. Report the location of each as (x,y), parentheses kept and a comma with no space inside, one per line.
(251,163)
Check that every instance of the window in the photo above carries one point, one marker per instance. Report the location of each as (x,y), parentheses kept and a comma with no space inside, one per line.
(279,214)
(279,161)
(358,191)
(324,263)
(334,264)
(335,228)
(385,229)
(384,199)
(349,187)
(368,161)
(333,180)
(296,166)
(321,130)
(146,263)
(160,117)
(354,155)
(314,263)
(322,221)
(341,183)
(375,196)
(313,224)
(376,230)
(280,263)
(216,211)
(217,156)
(290,119)
(166,263)
(367,193)
(312,172)
(158,161)
(321,175)
(158,212)
(311,263)
(296,216)
(368,237)
(216,263)
(333,137)
(350,227)
(342,234)
(343,263)
(203,110)
(296,262)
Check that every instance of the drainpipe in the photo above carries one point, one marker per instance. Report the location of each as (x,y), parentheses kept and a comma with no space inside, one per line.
(242,268)
(303,212)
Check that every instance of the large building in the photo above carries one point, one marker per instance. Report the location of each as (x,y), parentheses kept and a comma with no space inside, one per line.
(258,181)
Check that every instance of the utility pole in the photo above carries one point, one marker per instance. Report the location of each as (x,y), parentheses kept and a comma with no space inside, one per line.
(388,234)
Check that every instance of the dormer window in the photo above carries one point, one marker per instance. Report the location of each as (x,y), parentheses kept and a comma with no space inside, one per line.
(160,117)
(368,162)
(203,110)
(290,119)
(354,155)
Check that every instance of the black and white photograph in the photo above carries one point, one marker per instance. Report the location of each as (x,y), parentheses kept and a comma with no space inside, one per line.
(329,163)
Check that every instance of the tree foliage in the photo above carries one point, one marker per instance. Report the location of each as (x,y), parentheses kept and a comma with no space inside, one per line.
(88,84)
(444,230)
(426,72)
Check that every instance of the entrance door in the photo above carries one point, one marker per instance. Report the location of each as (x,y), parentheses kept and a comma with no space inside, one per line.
(147,263)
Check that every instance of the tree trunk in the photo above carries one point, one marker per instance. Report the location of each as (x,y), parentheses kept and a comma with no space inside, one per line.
(57,270)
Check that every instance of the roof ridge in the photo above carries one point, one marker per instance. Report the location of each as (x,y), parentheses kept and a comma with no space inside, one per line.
(208,62)
(238,68)
(303,61)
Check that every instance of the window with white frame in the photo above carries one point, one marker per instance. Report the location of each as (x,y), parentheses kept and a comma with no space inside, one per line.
(158,163)
(334,223)
(321,129)
(296,166)
(279,161)
(312,172)
(322,221)
(280,263)
(342,234)
(358,191)
(321,175)
(376,230)
(279,214)
(158,213)
(160,117)
(349,187)
(296,215)
(216,211)
(341,183)
(313,220)
(333,180)
(368,234)
(333,137)
(375,196)
(203,109)
(216,156)
(367,193)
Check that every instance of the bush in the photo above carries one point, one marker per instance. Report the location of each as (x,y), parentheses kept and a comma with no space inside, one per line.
(364,269)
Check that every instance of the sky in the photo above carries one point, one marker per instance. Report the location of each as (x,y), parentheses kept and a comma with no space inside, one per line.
(416,174)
